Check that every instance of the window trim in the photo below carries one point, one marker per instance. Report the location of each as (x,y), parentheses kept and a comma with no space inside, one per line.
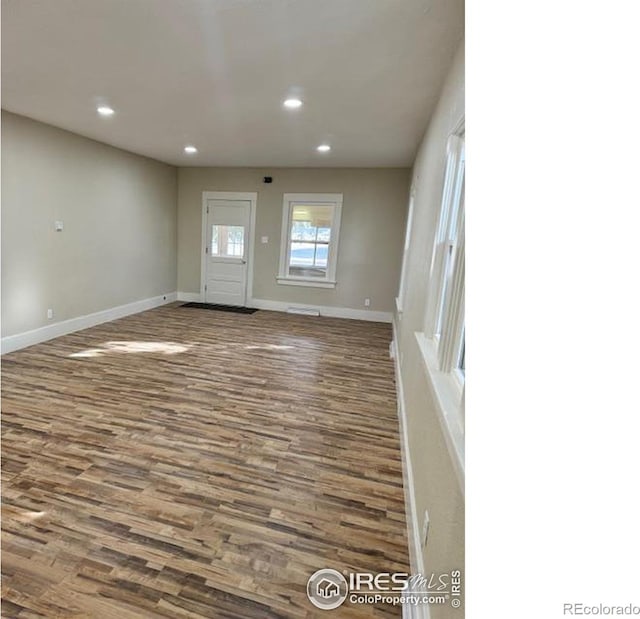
(448,393)
(455,145)
(288,202)
(453,319)
(444,316)
(440,349)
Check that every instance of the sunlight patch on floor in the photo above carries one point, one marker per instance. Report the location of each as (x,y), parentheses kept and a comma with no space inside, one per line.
(165,348)
(268,347)
(21,516)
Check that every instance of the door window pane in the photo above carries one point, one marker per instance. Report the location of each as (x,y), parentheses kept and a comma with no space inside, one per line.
(214,241)
(235,241)
(227,241)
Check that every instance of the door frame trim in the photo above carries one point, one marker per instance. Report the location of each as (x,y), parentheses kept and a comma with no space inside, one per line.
(248,196)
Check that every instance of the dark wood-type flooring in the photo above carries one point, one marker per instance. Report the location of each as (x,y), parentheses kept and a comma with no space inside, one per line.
(190,463)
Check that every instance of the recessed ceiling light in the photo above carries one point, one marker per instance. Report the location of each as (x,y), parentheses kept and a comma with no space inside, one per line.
(293,104)
(105,110)
(190,150)
(323,148)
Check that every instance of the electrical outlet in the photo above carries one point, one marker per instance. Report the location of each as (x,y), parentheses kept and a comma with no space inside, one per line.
(264,239)
(425,528)
(49,314)
(367,302)
(59,226)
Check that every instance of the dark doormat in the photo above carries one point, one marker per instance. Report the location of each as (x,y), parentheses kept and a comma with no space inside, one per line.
(221,308)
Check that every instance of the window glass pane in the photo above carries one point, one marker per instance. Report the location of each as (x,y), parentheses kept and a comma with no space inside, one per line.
(457,200)
(447,268)
(308,254)
(227,241)
(447,248)
(235,241)
(214,241)
(316,215)
(310,237)
(302,231)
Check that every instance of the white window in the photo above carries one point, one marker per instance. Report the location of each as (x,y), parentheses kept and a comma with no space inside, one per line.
(309,244)
(445,309)
(442,342)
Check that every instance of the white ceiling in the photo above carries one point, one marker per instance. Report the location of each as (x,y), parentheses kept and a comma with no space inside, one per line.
(214,73)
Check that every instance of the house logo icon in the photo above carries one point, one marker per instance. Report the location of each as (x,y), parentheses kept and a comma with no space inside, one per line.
(327,589)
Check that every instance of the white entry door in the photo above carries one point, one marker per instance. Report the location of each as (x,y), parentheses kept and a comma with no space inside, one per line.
(226,251)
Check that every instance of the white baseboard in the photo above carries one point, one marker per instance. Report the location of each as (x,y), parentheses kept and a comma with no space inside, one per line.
(35,336)
(325,310)
(416,557)
(190,297)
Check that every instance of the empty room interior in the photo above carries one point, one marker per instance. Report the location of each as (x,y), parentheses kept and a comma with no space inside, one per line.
(233,337)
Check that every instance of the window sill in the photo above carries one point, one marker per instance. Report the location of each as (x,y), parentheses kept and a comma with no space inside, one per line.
(301,281)
(448,393)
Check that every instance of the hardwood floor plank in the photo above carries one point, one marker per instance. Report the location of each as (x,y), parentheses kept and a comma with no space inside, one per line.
(191,463)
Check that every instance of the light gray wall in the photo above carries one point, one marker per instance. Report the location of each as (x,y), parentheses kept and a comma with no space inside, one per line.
(371,234)
(435,484)
(119,214)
